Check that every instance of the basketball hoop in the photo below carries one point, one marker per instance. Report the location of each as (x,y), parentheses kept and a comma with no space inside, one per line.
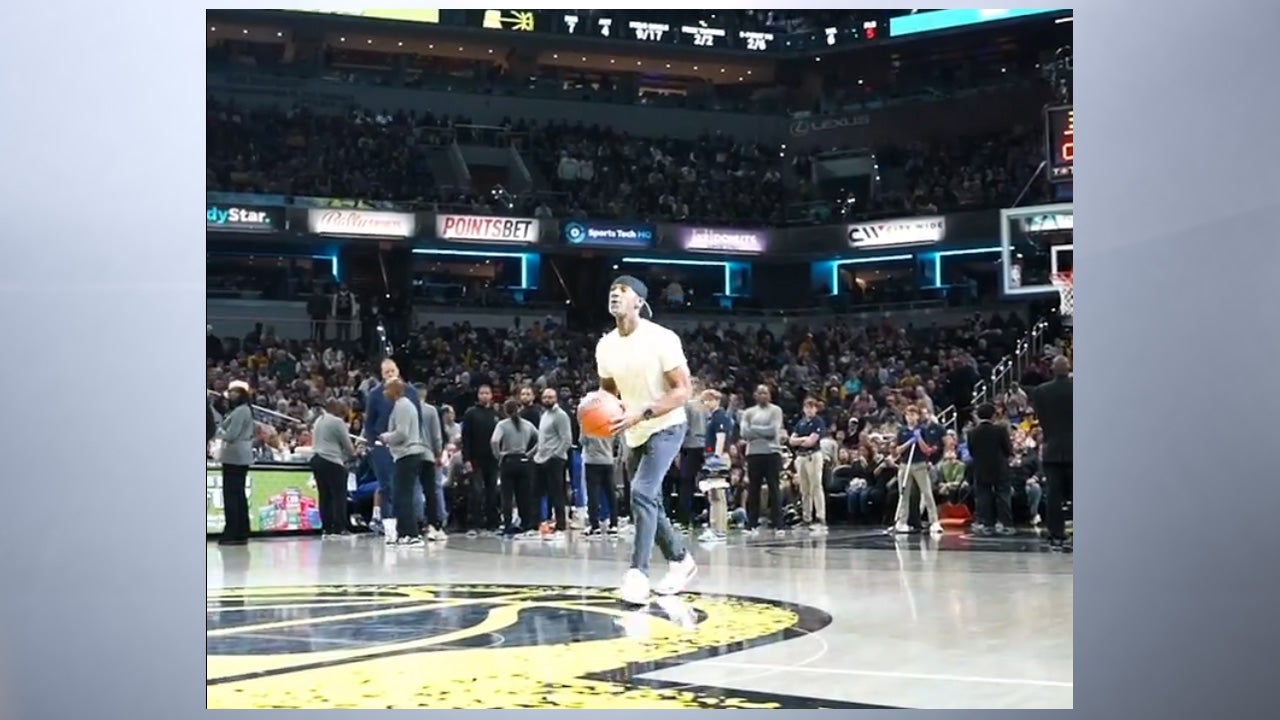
(1066,295)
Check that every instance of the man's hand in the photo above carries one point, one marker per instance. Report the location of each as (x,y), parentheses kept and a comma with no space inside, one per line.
(630,417)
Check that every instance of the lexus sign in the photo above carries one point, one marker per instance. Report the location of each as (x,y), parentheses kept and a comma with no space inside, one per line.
(361,223)
(485,228)
(891,233)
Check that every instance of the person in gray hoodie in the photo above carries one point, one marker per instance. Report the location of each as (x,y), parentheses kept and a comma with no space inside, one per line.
(235,430)
(598,455)
(555,437)
(762,429)
(403,439)
(333,450)
(429,473)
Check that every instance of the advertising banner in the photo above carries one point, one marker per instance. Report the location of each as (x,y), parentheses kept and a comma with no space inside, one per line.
(894,233)
(722,240)
(234,218)
(362,223)
(280,498)
(486,228)
(608,234)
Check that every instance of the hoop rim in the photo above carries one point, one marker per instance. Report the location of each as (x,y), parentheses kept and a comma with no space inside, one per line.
(1061,279)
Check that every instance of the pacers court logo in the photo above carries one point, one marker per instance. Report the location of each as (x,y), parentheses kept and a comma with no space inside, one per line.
(480,646)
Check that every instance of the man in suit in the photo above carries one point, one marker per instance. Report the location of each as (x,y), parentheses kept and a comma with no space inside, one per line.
(991,447)
(1053,405)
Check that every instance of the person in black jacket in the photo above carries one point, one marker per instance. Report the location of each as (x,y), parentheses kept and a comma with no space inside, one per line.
(991,447)
(479,463)
(1053,405)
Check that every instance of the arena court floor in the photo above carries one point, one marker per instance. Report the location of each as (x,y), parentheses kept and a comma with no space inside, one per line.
(855,619)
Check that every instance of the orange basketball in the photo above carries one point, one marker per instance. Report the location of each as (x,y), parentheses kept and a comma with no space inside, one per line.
(597,412)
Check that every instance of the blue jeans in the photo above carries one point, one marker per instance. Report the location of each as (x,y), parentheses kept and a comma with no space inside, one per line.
(444,509)
(577,482)
(1034,493)
(383,466)
(649,464)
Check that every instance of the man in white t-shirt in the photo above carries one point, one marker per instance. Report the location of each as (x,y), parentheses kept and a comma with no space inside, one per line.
(643,363)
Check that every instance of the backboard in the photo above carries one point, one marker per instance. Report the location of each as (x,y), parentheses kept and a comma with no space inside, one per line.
(1035,243)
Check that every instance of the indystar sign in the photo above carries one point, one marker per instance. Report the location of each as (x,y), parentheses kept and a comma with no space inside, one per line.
(242,219)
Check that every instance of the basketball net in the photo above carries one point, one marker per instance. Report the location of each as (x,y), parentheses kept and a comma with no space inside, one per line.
(1066,295)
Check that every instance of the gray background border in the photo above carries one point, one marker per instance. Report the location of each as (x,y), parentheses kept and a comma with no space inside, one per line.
(101,292)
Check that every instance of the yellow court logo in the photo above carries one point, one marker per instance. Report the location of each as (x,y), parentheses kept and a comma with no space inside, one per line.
(480,646)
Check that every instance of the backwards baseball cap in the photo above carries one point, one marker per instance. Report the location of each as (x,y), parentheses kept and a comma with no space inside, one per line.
(639,288)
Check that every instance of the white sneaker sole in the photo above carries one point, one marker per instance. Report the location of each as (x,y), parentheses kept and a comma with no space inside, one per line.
(668,592)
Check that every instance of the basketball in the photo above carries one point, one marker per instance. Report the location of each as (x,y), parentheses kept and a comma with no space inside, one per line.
(597,412)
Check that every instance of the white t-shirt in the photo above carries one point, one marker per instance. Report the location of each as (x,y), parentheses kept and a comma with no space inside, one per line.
(637,364)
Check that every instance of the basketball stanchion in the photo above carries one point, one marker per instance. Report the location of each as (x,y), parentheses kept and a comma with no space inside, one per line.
(1066,294)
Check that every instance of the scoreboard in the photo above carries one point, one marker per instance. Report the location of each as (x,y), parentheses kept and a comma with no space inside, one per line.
(1060,128)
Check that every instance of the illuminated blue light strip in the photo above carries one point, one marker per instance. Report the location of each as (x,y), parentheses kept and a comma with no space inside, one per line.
(946,19)
(835,267)
(524,259)
(728,282)
(937,260)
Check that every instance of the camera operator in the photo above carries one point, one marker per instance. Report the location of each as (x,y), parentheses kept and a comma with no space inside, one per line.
(992,451)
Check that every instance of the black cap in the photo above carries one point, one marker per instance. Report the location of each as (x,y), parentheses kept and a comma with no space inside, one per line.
(636,286)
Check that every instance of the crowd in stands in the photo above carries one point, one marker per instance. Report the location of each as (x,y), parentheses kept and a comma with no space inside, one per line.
(596,172)
(864,377)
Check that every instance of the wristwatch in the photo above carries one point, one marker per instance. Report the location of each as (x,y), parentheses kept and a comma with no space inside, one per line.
(648,413)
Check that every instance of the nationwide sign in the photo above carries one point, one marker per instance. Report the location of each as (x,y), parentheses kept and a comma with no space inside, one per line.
(744,242)
(232,218)
(606,234)
(361,223)
(906,231)
(485,228)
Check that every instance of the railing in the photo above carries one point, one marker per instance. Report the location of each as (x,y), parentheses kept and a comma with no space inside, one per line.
(490,136)
(1011,368)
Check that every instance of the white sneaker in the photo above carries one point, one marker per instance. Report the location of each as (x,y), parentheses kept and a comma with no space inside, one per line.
(389,531)
(635,588)
(1035,520)
(678,576)
(935,528)
(900,529)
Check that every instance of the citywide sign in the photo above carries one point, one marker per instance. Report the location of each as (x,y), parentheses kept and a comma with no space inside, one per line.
(487,228)
(895,233)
